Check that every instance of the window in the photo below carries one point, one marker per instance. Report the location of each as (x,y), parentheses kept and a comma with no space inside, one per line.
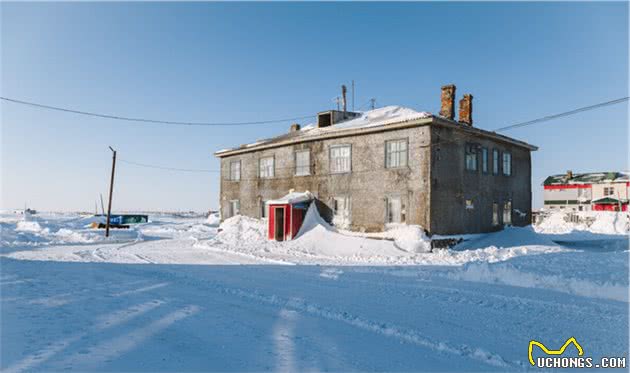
(302,163)
(495,214)
(235,170)
(471,157)
(507,213)
(469,204)
(234,208)
(484,160)
(396,153)
(609,191)
(341,212)
(507,164)
(263,209)
(495,162)
(266,167)
(340,159)
(395,210)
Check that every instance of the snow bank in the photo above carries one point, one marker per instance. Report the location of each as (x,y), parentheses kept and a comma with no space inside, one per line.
(241,228)
(319,243)
(506,238)
(28,226)
(565,281)
(312,220)
(213,220)
(601,222)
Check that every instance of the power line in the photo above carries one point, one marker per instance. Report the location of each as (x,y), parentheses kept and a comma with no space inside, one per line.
(566,113)
(517,125)
(152,121)
(168,168)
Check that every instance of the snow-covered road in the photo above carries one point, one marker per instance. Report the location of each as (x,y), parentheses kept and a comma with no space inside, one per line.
(159,298)
(124,317)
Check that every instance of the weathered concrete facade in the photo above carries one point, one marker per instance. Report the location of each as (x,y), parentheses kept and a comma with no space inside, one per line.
(435,188)
(452,184)
(366,185)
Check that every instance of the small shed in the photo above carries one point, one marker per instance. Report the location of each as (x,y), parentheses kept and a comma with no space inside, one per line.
(286,215)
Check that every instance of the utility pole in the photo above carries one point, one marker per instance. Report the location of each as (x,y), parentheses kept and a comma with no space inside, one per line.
(111,191)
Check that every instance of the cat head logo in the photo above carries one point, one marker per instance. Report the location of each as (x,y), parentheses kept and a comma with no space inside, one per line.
(560,351)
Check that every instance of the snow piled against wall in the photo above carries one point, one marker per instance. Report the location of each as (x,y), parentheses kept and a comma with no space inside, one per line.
(603,222)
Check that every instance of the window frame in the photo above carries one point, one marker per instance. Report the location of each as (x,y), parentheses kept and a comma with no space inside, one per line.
(470,149)
(231,207)
(503,159)
(308,164)
(507,212)
(273,167)
(240,168)
(330,158)
(387,153)
(495,214)
(401,216)
(496,165)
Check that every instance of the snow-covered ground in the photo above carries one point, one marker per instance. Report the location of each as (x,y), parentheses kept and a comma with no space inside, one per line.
(157,297)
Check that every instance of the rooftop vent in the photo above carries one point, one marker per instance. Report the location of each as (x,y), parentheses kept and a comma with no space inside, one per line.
(329,118)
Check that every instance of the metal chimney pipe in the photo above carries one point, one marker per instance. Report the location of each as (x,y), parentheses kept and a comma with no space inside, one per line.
(344,102)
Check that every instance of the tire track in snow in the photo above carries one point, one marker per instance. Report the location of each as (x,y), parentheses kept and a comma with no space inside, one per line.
(393,331)
(107,321)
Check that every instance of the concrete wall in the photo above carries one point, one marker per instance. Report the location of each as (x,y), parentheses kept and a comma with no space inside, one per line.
(452,184)
(367,185)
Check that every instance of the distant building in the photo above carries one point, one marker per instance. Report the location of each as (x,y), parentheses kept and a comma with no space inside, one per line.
(388,165)
(598,191)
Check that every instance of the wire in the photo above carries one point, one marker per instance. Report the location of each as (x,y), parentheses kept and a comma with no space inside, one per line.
(566,113)
(152,121)
(168,168)
(441,142)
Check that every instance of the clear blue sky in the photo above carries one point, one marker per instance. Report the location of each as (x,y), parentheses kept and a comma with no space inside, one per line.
(240,62)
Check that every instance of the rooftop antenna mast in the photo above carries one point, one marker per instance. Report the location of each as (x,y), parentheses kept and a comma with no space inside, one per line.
(373,103)
(352,94)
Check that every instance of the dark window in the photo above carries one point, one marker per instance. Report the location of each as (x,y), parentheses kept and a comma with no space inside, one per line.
(471,157)
(495,162)
(507,164)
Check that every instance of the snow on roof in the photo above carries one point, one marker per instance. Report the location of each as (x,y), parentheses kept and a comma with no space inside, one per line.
(292,198)
(373,118)
(380,117)
(588,178)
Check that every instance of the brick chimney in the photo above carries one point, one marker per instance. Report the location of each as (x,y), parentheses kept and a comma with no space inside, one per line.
(465,110)
(294,127)
(447,106)
(569,175)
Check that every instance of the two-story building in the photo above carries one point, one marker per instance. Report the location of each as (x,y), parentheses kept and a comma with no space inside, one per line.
(597,191)
(388,165)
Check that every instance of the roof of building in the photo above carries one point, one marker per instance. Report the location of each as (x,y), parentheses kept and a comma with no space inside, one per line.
(385,118)
(588,178)
(292,198)
(609,200)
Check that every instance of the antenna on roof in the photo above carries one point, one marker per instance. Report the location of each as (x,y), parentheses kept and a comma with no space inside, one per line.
(373,102)
(352,94)
(337,100)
